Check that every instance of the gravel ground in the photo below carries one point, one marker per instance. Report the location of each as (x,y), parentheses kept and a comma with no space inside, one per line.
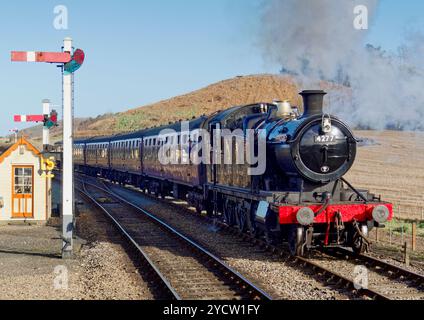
(393,253)
(108,272)
(31,267)
(29,257)
(394,256)
(281,279)
(398,289)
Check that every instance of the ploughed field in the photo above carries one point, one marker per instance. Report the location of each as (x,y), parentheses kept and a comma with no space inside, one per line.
(394,168)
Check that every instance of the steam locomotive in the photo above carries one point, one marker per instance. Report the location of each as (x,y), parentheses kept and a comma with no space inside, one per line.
(300,197)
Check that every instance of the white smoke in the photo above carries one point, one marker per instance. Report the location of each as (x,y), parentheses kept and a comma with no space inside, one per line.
(316,40)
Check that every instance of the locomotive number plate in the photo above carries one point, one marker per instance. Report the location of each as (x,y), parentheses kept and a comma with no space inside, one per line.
(325,139)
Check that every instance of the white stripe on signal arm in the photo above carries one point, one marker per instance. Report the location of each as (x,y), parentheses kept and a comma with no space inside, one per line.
(23,118)
(31,56)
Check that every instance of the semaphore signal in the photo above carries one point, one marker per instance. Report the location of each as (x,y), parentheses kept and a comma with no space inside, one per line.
(28,118)
(48,57)
(70,62)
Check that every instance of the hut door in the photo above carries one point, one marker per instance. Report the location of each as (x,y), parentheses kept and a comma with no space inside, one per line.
(23,192)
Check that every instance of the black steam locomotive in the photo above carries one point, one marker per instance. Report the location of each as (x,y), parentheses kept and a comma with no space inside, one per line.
(300,195)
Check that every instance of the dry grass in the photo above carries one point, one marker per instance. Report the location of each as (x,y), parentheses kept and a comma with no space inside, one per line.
(219,96)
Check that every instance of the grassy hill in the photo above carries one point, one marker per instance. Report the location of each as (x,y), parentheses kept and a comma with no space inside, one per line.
(218,96)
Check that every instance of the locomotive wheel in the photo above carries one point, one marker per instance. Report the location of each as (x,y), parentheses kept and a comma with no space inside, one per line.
(358,244)
(241,220)
(209,210)
(228,214)
(251,228)
(270,238)
(199,209)
(296,239)
(250,222)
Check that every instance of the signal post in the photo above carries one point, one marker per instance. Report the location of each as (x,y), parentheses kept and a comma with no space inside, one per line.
(46,130)
(70,62)
(67,159)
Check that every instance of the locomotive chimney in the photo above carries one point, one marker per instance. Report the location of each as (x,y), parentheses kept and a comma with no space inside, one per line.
(313,102)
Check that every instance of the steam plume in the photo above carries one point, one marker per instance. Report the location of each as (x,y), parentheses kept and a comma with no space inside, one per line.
(316,40)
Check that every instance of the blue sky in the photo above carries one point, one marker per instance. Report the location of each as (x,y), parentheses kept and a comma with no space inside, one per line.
(138,52)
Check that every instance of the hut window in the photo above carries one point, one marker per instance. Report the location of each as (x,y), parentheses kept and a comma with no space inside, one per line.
(23,181)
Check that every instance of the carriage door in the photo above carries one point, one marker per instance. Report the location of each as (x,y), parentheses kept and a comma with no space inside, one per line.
(23,192)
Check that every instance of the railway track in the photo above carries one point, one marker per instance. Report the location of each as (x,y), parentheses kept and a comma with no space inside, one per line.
(398,282)
(385,281)
(326,275)
(393,280)
(179,267)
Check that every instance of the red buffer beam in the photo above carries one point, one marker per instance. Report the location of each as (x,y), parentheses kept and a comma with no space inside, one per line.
(33,56)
